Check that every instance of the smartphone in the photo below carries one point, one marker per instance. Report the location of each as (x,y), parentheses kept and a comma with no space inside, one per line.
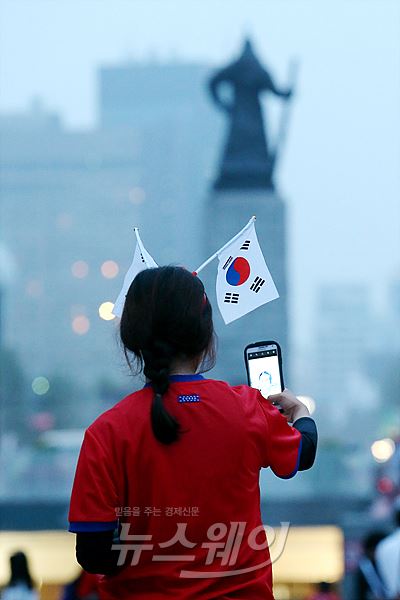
(264,367)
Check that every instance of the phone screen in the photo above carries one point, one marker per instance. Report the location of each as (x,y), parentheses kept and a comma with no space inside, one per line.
(264,371)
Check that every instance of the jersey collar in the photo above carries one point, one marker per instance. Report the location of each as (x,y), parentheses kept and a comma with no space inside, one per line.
(185,377)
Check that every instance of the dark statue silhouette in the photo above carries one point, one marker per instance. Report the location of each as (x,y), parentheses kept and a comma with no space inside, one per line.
(247,161)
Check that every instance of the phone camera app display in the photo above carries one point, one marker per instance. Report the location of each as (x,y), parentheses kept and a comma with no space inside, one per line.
(264,372)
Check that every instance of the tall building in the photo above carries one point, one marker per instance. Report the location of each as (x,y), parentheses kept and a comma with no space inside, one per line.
(344,338)
(143,95)
(70,200)
(64,198)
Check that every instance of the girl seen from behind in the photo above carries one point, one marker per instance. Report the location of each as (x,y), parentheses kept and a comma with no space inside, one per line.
(170,474)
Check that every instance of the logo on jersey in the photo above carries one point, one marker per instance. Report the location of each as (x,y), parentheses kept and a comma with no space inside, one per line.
(189,398)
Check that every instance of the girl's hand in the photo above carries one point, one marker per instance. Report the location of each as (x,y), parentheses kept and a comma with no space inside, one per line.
(292,407)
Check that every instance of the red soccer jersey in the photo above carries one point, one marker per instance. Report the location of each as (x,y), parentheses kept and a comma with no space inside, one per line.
(193,505)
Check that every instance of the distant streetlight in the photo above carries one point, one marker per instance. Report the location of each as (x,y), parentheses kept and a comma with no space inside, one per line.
(80,324)
(40,385)
(383,450)
(80,269)
(109,269)
(105,311)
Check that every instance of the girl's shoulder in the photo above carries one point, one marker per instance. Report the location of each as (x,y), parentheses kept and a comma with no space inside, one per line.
(240,389)
(116,415)
(249,398)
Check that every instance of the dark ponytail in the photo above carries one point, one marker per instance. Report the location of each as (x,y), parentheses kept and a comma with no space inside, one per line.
(166,317)
(157,365)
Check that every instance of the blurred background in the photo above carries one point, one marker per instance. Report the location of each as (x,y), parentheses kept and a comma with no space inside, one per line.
(107,122)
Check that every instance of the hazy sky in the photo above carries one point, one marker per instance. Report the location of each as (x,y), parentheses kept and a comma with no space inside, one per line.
(340,172)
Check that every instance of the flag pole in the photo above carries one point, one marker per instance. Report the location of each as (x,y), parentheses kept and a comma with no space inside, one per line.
(139,242)
(235,237)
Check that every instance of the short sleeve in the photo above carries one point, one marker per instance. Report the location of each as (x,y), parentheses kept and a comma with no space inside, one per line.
(94,497)
(283,443)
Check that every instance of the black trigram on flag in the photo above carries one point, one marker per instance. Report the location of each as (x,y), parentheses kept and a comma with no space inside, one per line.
(227,263)
(231,298)
(245,245)
(257,284)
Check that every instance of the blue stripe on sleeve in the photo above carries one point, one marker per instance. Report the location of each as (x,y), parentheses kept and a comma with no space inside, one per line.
(82,526)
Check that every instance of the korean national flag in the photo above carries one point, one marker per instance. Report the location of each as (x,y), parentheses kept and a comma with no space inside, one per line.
(141,260)
(243,280)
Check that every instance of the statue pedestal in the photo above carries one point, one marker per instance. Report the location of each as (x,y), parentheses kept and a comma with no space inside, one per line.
(226,212)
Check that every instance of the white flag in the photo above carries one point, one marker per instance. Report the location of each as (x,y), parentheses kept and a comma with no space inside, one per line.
(141,260)
(243,279)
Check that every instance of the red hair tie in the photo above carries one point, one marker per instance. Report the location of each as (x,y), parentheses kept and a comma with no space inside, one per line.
(204,302)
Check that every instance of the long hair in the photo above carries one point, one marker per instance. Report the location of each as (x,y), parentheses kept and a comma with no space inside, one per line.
(166,317)
(20,570)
